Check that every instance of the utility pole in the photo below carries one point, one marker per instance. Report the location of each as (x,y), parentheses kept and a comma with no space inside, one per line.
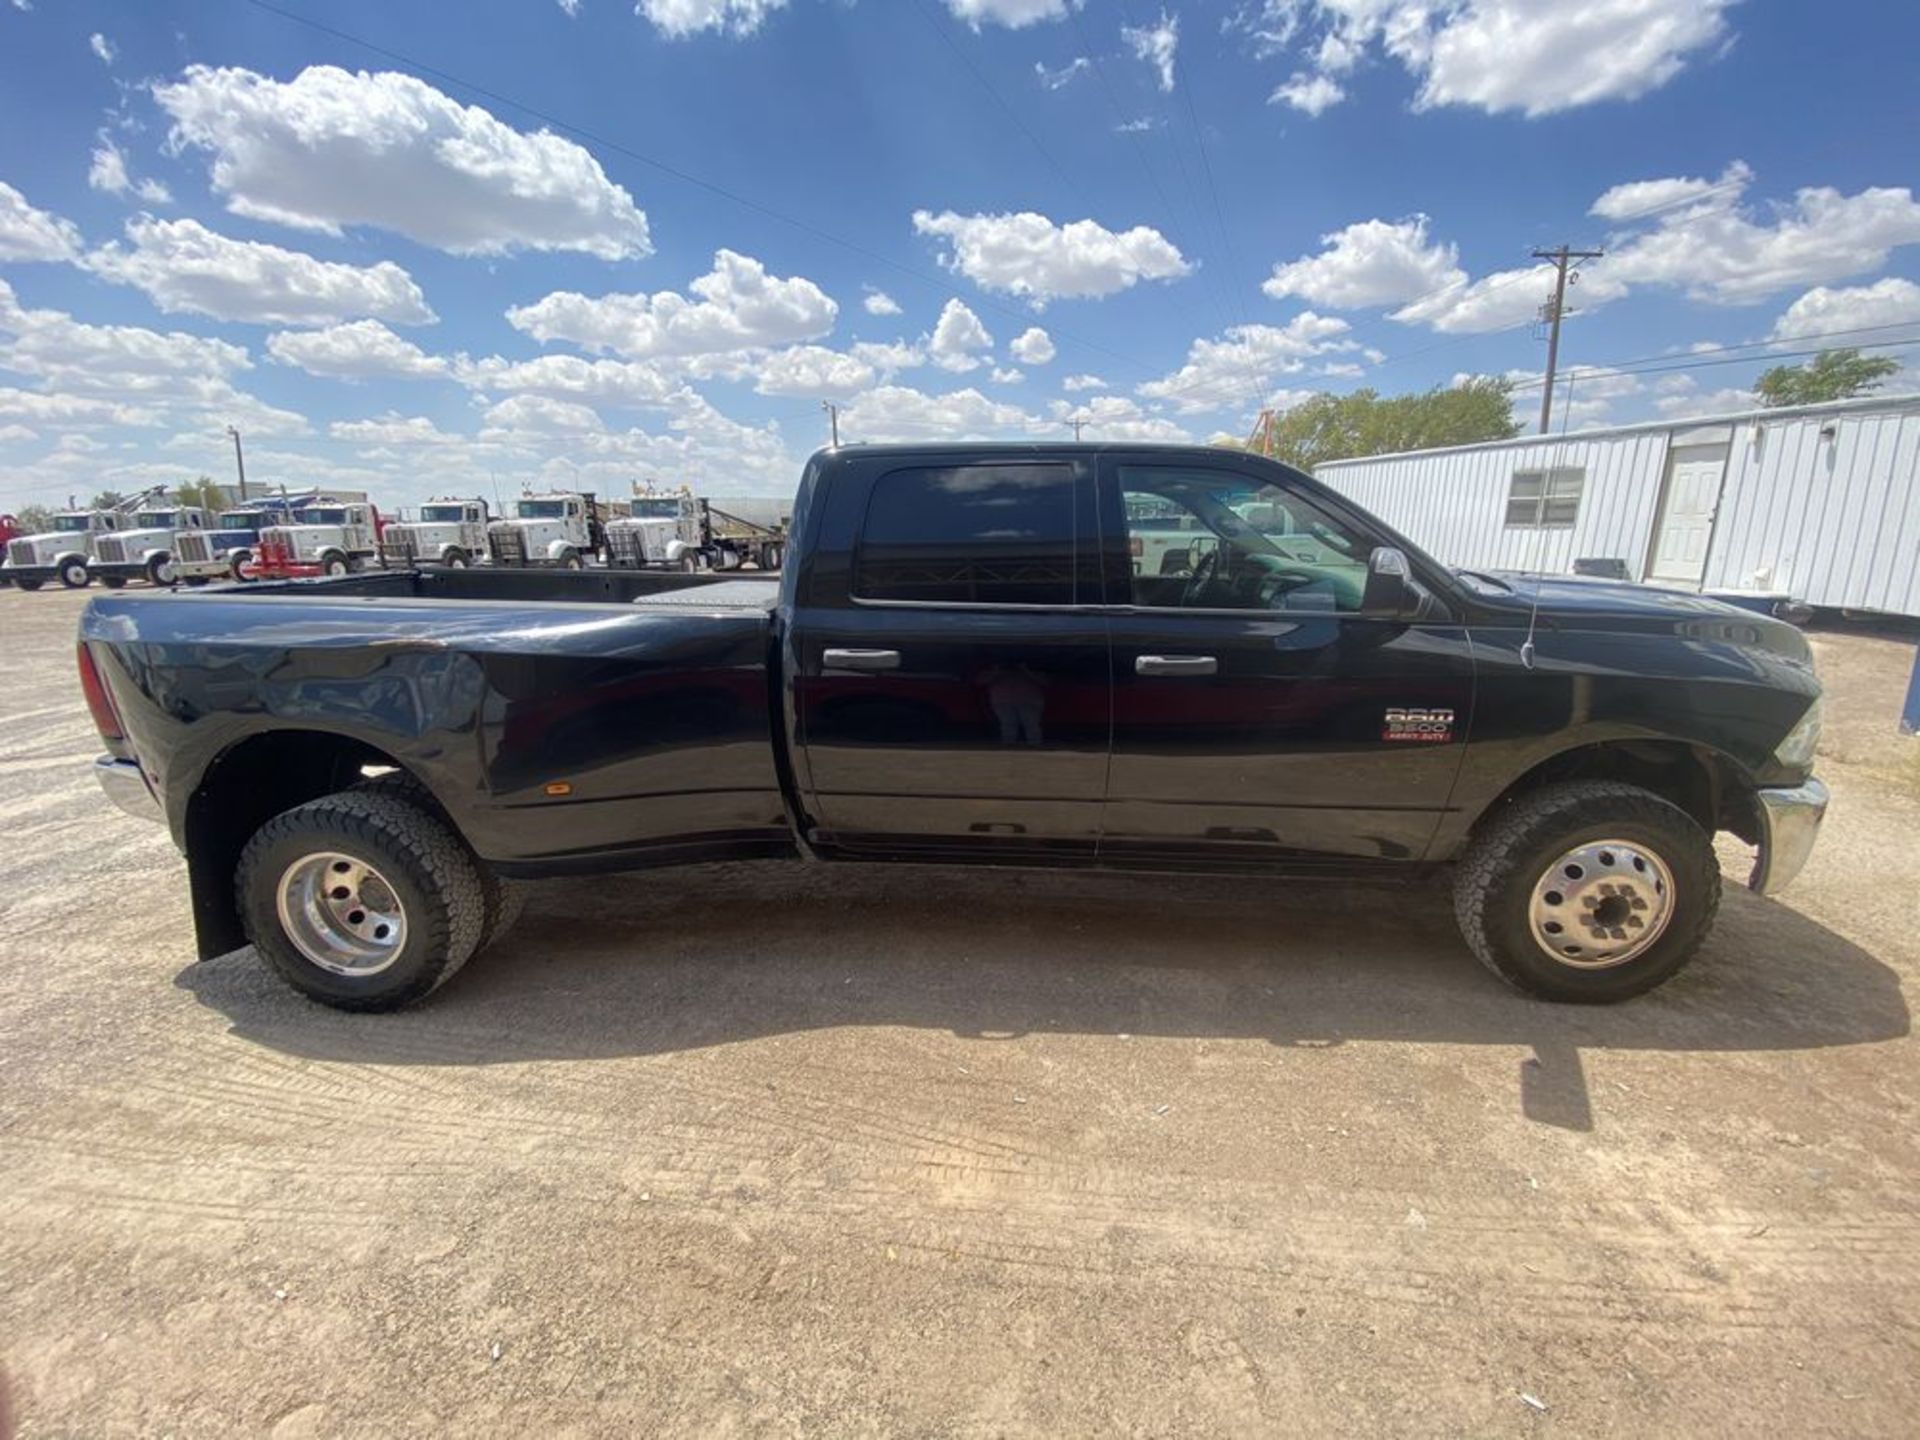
(239,463)
(833,420)
(1555,307)
(1076,422)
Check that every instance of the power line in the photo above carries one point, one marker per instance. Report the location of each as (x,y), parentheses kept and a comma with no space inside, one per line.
(1601,372)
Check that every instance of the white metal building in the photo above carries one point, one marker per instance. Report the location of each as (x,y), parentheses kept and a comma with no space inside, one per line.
(1818,502)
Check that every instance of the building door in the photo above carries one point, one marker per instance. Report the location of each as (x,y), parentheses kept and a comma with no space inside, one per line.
(1686,514)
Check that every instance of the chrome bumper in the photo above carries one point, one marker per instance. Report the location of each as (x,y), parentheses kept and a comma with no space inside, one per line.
(1789,824)
(127,788)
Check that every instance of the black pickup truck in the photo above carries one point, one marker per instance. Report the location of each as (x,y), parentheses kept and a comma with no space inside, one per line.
(1164,658)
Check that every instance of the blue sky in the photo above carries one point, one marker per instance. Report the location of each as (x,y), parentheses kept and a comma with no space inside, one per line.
(537,240)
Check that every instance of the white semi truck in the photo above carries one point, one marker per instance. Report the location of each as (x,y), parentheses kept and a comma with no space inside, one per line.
(566,528)
(327,536)
(144,550)
(450,530)
(683,531)
(61,553)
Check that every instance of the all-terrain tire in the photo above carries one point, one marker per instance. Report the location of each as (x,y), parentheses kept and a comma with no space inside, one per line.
(75,575)
(1493,887)
(504,900)
(425,863)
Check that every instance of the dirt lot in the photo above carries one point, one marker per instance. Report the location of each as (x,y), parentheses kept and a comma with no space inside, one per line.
(855,1151)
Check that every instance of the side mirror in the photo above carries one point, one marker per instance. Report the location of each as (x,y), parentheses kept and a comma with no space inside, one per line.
(1390,593)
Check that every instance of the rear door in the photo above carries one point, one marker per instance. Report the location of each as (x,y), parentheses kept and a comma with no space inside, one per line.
(1260,714)
(951,687)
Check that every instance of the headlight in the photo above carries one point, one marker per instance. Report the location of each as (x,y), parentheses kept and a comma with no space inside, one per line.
(1796,751)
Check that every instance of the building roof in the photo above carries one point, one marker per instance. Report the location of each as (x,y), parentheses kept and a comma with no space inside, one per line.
(1866,405)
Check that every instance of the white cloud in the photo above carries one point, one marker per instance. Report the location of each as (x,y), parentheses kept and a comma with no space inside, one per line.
(183,266)
(737,306)
(812,371)
(1073,384)
(1236,367)
(392,429)
(1140,126)
(888,356)
(896,412)
(143,376)
(1156,45)
(30,234)
(958,338)
(541,412)
(1114,417)
(878,302)
(1681,398)
(102,48)
(568,377)
(1533,56)
(1006,375)
(1717,251)
(678,19)
(1373,262)
(361,350)
(1311,94)
(1641,198)
(1027,254)
(108,173)
(1033,346)
(17,434)
(572,7)
(1014,14)
(330,149)
(1892,302)
(1056,79)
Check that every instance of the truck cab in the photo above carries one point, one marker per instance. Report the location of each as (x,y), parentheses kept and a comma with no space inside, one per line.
(144,550)
(560,528)
(450,530)
(324,537)
(661,532)
(62,553)
(224,550)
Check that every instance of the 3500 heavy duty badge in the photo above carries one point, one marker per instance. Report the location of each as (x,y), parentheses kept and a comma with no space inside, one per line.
(1419,725)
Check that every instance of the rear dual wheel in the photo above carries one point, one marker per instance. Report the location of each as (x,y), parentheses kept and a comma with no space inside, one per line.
(1590,892)
(368,899)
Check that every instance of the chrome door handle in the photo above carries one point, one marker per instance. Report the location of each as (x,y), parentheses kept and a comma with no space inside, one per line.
(860,659)
(1175,665)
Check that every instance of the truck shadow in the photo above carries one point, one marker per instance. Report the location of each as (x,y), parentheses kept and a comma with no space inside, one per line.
(681,960)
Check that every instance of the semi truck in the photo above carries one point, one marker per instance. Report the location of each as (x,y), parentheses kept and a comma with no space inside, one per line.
(962,665)
(450,530)
(684,531)
(61,553)
(325,535)
(564,529)
(146,548)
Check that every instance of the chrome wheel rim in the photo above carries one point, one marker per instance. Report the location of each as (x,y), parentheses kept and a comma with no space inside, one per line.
(341,913)
(1602,903)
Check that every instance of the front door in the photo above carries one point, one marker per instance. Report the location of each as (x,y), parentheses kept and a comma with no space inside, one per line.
(951,685)
(1259,712)
(1686,517)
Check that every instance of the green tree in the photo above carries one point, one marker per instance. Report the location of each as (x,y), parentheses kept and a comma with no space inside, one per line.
(204,492)
(1340,427)
(1830,375)
(106,500)
(34,519)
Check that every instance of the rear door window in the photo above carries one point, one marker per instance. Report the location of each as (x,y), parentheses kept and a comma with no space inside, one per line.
(970,535)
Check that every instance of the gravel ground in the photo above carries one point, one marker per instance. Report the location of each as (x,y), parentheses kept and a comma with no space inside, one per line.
(922,1151)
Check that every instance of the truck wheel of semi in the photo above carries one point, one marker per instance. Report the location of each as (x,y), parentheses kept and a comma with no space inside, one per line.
(970,661)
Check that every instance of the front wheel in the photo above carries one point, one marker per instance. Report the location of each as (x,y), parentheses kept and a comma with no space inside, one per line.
(333,564)
(570,560)
(238,568)
(160,571)
(75,575)
(361,901)
(1590,892)
(455,559)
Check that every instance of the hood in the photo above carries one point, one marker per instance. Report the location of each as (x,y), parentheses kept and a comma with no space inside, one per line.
(1583,602)
(132,539)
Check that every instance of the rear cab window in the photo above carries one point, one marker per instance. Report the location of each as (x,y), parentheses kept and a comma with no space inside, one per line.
(977,534)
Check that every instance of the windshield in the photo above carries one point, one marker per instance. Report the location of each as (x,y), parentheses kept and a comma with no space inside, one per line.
(542,509)
(156,519)
(668,509)
(443,514)
(240,520)
(70,522)
(320,517)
